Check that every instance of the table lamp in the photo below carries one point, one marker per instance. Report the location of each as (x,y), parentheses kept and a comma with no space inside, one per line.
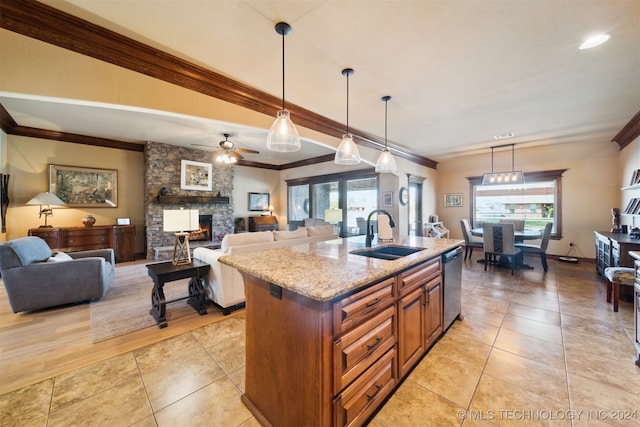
(181,221)
(48,199)
(333,216)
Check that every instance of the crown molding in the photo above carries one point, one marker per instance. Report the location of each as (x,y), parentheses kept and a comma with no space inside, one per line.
(629,132)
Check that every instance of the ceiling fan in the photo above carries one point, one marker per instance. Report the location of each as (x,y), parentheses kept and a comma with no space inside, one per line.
(229,152)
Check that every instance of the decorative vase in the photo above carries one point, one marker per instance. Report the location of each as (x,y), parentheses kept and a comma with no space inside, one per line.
(88,220)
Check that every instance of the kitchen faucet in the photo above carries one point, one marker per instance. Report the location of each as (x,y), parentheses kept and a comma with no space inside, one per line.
(370,228)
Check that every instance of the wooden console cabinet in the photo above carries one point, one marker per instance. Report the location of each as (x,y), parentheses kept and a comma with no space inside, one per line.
(612,250)
(263,223)
(333,363)
(70,239)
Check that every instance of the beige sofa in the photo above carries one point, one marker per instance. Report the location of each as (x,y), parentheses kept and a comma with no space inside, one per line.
(224,285)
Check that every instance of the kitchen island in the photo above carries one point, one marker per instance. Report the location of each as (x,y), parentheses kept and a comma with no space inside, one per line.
(329,333)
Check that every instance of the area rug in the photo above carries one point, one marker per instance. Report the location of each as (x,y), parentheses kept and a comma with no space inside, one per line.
(126,306)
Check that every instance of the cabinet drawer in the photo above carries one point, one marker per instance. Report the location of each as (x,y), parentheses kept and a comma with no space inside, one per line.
(360,348)
(360,306)
(85,240)
(358,401)
(418,275)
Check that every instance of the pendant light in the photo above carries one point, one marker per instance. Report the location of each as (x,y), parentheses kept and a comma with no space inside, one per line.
(347,153)
(283,136)
(512,177)
(386,163)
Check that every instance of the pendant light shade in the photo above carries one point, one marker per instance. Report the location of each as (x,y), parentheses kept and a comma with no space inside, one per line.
(283,135)
(386,163)
(511,177)
(347,153)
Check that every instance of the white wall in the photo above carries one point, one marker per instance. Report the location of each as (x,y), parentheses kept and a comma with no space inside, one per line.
(629,162)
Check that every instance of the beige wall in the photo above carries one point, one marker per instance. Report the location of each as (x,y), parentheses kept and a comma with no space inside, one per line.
(590,188)
(28,161)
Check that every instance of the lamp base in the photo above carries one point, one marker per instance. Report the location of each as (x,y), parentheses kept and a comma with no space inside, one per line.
(46,226)
(181,252)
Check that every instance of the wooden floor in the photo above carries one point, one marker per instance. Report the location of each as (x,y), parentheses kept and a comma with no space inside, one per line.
(38,345)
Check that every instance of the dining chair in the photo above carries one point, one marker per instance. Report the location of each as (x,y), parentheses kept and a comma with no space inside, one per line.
(517,223)
(499,243)
(539,249)
(470,241)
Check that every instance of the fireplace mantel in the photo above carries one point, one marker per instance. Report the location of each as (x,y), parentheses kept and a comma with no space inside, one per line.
(174,200)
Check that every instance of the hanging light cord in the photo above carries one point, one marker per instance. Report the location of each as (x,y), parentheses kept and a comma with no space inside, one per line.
(491,159)
(385,123)
(347,102)
(283,34)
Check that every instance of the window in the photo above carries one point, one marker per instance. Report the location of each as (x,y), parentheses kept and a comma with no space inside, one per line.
(537,201)
(355,192)
(298,203)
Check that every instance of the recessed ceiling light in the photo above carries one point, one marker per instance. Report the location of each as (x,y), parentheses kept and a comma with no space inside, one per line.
(504,135)
(594,41)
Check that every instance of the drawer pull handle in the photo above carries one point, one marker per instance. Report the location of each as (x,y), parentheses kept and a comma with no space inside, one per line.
(378,340)
(370,397)
(371,304)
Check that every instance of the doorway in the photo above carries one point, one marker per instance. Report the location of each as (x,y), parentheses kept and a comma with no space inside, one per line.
(415,205)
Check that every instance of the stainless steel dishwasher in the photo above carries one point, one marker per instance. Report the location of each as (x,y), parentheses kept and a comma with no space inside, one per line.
(452,285)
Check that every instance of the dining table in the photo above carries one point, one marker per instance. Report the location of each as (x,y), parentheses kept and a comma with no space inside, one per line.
(520,236)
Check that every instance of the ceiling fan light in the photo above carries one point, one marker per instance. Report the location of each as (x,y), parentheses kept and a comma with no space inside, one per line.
(386,163)
(283,135)
(347,153)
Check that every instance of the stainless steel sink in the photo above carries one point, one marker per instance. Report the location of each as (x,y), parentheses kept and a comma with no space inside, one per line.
(389,252)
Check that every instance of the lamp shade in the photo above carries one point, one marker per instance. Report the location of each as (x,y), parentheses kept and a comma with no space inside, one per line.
(283,135)
(46,199)
(180,220)
(333,215)
(386,163)
(347,153)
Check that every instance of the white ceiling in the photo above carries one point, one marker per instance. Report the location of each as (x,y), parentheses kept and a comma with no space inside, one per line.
(459,71)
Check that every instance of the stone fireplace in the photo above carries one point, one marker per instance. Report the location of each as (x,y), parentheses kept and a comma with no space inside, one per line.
(162,170)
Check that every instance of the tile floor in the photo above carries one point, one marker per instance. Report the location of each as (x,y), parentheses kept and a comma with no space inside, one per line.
(533,349)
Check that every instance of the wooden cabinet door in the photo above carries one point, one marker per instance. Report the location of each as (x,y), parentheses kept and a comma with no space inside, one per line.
(433,311)
(411,334)
(124,242)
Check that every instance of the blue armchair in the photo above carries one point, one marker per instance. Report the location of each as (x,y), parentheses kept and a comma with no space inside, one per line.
(33,280)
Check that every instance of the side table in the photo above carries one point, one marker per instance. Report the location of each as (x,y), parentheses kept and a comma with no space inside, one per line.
(164,272)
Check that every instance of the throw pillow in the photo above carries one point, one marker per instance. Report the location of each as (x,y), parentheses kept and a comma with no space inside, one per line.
(300,233)
(321,230)
(60,256)
(245,239)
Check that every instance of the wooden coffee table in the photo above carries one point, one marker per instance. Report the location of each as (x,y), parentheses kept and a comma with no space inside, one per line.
(164,272)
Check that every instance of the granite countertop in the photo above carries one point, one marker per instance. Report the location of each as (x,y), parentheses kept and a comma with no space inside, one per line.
(325,270)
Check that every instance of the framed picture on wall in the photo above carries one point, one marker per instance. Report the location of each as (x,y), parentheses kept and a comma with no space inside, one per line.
(195,175)
(258,202)
(84,187)
(453,199)
(387,198)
